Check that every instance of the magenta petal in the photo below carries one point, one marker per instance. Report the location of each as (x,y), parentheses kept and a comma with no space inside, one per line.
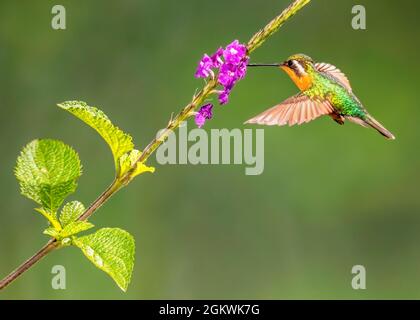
(234,52)
(217,58)
(204,67)
(242,67)
(231,64)
(199,120)
(224,97)
(227,74)
(205,113)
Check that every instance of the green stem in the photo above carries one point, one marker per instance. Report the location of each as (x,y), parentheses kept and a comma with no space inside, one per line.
(108,193)
(50,246)
(262,35)
(179,118)
(256,41)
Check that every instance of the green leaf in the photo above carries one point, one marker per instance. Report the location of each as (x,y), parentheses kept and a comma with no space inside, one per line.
(69,230)
(64,241)
(128,160)
(111,250)
(74,228)
(119,142)
(48,171)
(70,212)
(52,232)
(51,217)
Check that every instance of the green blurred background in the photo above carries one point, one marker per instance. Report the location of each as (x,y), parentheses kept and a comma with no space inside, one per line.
(330,197)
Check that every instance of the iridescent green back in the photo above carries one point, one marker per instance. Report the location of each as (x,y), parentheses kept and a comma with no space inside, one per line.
(326,87)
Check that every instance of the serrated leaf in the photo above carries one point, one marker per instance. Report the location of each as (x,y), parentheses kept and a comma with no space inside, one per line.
(119,141)
(48,171)
(70,212)
(111,250)
(70,230)
(129,159)
(74,228)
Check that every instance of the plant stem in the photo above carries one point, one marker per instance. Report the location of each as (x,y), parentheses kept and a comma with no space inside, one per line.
(112,189)
(50,246)
(179,118)
(256,41)
(262,35)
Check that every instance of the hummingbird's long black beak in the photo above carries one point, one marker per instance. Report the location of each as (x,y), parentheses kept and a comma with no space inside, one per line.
(264,65)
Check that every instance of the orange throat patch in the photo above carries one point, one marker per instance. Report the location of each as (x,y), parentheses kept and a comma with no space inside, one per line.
(302,82)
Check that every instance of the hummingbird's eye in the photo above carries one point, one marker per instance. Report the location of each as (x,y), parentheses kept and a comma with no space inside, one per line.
(290,63)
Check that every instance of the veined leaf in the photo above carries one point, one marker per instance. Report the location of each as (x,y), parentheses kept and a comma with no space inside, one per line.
(119,141)
(47,171)
(70,212)
(74,228)
(111,250)
(69,230)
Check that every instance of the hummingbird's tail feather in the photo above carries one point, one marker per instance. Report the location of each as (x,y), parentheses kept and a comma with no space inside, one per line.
(371,121)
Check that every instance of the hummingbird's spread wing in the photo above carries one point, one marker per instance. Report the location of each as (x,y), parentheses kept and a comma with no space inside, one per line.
(334,72)
(295,110)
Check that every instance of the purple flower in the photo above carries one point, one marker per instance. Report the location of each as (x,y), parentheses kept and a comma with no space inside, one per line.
(241,72)
(207,64)
(217,58)
(231,64)
(224,94)
(204,67)
(227,74)
(205,113)
(234,52)
(224,97)
(230,73)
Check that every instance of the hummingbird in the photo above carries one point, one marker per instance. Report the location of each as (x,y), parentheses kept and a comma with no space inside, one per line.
(324,90)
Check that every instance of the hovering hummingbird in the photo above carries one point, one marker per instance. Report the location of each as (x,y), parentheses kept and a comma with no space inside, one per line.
(325,90)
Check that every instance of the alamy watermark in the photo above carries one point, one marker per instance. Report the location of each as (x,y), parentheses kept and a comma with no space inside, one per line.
(58,22)
(216,146)
(359,19)
(358,281)
(58,281)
